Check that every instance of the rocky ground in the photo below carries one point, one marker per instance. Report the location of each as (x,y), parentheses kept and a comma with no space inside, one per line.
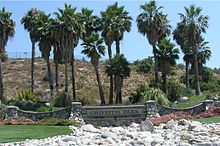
(174,133)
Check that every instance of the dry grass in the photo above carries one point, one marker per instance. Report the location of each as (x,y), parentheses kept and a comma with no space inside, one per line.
(17,77)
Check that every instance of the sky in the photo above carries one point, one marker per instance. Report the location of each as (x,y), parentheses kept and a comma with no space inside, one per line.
(134,45)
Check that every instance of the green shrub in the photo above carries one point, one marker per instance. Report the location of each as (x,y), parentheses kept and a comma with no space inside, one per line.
(26,95)
(176,90)
(57,122)
(42,109)
(145,65)
(2,111)
(59,101)
(142,94)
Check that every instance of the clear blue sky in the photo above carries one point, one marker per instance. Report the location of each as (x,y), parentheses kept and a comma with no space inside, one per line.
(134,45)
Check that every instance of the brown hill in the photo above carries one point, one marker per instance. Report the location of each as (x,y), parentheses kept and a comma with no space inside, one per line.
(17,77)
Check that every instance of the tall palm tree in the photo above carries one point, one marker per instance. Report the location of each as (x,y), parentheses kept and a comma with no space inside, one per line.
(7,31)
(179,34)
(195,25)
(57,51)
(30,24)
(45,43)
(120,69)
(69,29)
(93,48)
(108,36)
(154,25)
(116,21)
(167,56)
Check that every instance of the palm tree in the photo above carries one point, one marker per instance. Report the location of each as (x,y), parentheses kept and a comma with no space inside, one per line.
(167,56)
(108,36)
(7,31)
(57,50)
(69,29)
(30,24)
(120,69)
(93,48)
(179,34)
(91,22)
(45,43)
(154,25)
(195,25)
(116,21)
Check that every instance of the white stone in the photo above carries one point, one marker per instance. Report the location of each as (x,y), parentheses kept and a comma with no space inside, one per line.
(90,128)
(146,126)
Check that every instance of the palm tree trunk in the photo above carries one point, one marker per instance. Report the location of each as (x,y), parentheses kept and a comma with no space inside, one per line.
(120,92)
(117,47)
(66,82)
(57,77)
(50,77)
(198,92)
(165,84)
(111,76)
(101,93)
(155,67)
(187,73)
(1,82)
(32,66)
(118,88)
(73,77)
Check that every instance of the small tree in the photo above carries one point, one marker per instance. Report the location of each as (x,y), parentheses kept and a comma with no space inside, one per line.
(120,69)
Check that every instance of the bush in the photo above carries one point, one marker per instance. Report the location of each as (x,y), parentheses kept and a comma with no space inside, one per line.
(59,100)
(43,109)
(143,94)
(18,121)
(176,90)
(2,111)
(145,65)
(57,122)
(26,95)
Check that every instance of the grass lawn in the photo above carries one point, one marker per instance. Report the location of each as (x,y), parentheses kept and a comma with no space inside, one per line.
(193,100)
(209,120)
(12,133)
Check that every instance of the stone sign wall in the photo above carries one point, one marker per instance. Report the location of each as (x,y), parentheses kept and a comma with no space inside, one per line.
(107,115)
(113,115)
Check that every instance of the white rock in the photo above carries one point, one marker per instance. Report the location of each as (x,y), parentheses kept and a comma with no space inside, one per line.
(107,134)
(118,130)
(146,126)
(90,128)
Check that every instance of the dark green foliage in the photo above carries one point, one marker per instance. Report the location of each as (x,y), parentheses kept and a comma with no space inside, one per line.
(57,122)
(143,94)
(58,101)
(176,90)
(119,66)
(138,95)
(44,109)
(2,111)
(26,95)
(145,65)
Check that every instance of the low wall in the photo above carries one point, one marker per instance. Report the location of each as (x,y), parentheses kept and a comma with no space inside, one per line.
(14,112)
(107,115)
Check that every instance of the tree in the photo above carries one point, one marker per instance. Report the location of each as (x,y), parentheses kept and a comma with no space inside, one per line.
(179,34)
(116,21)
(120,69)
(154,25)
(69,29)
(195,25)
(7,31)
(30,24)
(45,43)
(167,56)
(93,49)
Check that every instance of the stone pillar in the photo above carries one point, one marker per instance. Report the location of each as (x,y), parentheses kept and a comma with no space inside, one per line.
(151,108)
(11,112)
(208,103)
(76,107)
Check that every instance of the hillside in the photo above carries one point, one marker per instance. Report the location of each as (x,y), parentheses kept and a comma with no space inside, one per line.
(17,77)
